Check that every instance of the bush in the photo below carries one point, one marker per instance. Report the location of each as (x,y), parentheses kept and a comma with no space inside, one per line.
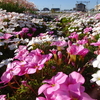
(12,7)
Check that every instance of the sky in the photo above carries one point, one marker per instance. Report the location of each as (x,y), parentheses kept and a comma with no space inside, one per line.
(62,4)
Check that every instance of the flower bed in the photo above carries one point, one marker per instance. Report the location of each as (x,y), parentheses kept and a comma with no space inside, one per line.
(49,60)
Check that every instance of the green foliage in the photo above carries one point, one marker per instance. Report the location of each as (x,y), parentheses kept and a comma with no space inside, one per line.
(23,93)
(11,7)
(65,24)
(52,11)
(31,11)
(65,20)
(97,36)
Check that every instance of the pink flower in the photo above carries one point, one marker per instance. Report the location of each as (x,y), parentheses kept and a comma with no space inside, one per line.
(63,87)
(97,16)
(59,43)
(24,83)
(12,70)
(96,44)
(50,32)
(35,60)
(6,36)
(41,98)
(82,42)
(16,33)
(29,34)
(77,50)
(75,88)
(72,79)
(21,52)
(21,33)
(74,84)
(53,84)
(33,29)
(59,54)
(74,35)
(25,30)
(6,77)
(59,95)
(85,96)
(2,97)
(87,29)
(1,37)
(97,52)
(42,34)
(53,51)
(27,63)
(19,68)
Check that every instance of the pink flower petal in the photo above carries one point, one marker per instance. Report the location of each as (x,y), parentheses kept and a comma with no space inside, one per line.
(53,88)
(87,97)
(76,77)
(41,98)
(43,88)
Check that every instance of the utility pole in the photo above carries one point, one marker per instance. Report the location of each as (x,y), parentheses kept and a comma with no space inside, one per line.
(60,8)
(97,5)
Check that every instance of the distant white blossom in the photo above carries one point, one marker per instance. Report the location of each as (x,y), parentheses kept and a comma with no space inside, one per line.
(96,62)
(5,62)
(96,78)
(12,46)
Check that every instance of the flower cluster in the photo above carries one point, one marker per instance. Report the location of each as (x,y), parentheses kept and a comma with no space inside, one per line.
(25,63)
(33,50)
(62,86)
(11,21)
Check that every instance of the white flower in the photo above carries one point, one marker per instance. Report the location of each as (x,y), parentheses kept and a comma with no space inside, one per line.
(12,46)
(34,20)
(1,34)
(71,30)
(28,25)
(98,57)
(31,41)
(79,33)
(11,26)
(22,25)
(96,62)
(1,26)
(96,78)
(24,41)
(8,30)
(5,23)
(1,53)
(1,43)
(16,40)
(60,33)
(31,47)
(7,41)
(5,62)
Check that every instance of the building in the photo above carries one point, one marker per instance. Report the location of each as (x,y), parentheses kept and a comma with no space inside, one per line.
(97,7)
(81,7)
(55,9)
(45,9)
